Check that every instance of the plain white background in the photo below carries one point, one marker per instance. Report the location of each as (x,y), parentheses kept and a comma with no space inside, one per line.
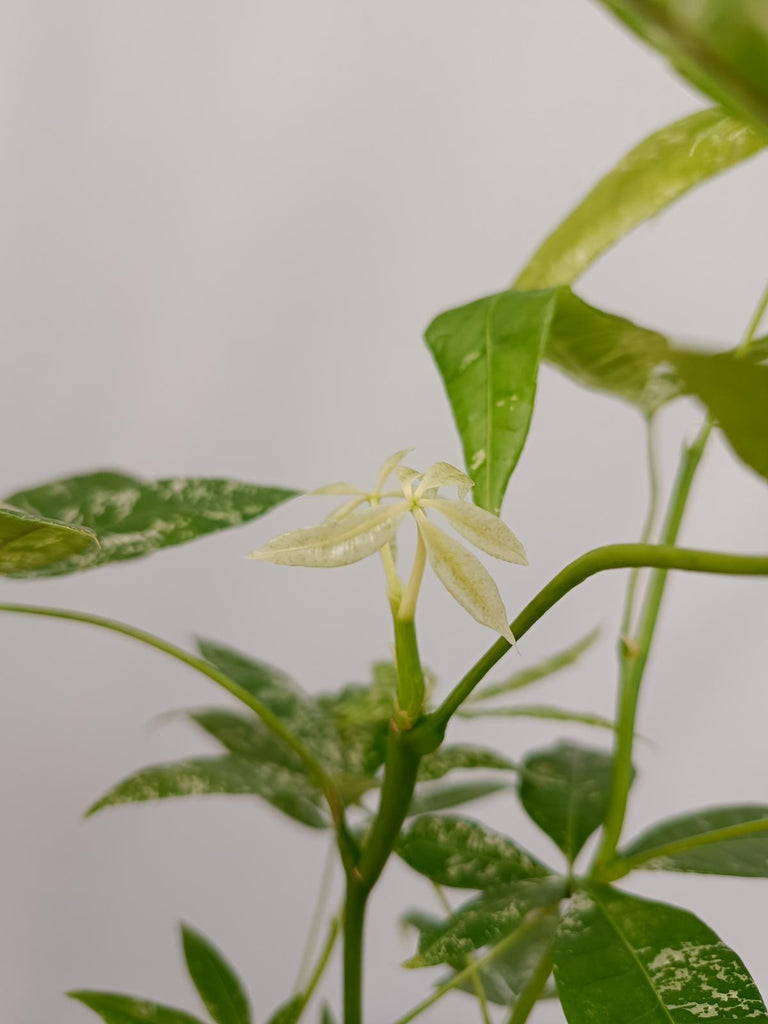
(224,228)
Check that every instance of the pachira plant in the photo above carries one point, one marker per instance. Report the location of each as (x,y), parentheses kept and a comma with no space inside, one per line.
(370,763)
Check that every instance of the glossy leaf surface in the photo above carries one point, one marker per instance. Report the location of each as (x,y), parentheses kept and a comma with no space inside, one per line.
(745,855)
(484,921)
(565,790)
(488,354)
(650,177)
(133,517)
(621,959)
(465,854)
(31,543)
(218,985)
(736,393)
(721,46)
(285,789)
(118,1009)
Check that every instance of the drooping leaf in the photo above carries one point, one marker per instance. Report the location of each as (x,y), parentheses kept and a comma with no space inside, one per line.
(438,796)
(484,921)
(488,354)
(465,854)
(719,45)
(133,517)
(220,988)
(650,177)
(289,791)
(609,353)
(692,842)
(118,1009)
(30,543)
(736,393)
(288,1013)
(509,974)
(565,789)
(528,676)
(542,711)
(621,959)
(459,757)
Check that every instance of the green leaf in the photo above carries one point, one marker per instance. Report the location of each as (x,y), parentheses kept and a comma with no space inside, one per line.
(488,355)
(622,959)
(434,796)
(464,854)
(650,177)
(459,757)
(288,1013)
(697,842)
(565,790)
(133,517)
(289,791)
(609,353)
(556,663)
(246,737)
(719,45)
(736,393)
(218,985)
(508,975)
(326,1017)
(117,1009)
(484,921)
(541,711)
(29,542)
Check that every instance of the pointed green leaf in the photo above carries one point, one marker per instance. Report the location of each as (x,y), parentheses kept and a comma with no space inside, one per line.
(736,393)
(488,355)
(707,841)
(29,542)
(283,788)
(556,663)
(485,921)
(288,1013)
(541,711)
(719,45)
(133,517)
(622,959)
(565,790)
(220,988)
(436,796)
(459,757)
(270,685)
(117,1009)
(465,854)
(246,737)
(654,174)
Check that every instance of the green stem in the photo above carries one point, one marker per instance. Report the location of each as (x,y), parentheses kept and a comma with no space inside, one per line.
(410,675)
(428,734)
(323,894)
(313,766)
(532,991)
(465,975)
(622,866)
(645,536)
(354,927)
(636,657)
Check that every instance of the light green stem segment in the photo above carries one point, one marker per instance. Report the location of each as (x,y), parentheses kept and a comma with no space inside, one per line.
(466,974)
(275,724)
(428,734)
(532,991)
(635,656)
(645,536)
(621,866)
(410,675)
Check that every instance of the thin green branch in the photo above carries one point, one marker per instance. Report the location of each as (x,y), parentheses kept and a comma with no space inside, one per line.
(278,727)
(622,866)
(428,733)
(531,994)
(465,975)
(645,536)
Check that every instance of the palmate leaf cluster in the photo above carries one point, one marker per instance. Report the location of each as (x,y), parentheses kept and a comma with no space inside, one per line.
(517,927)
